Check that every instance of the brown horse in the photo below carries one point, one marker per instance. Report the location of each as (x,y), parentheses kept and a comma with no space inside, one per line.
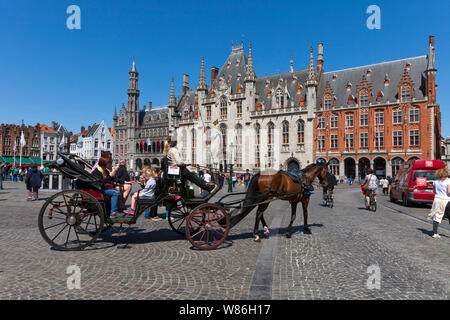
(265,187)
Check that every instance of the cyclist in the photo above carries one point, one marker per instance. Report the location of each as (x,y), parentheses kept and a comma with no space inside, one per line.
(332,181)
(373,185)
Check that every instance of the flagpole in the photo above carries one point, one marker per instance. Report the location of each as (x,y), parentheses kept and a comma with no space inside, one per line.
(20,163)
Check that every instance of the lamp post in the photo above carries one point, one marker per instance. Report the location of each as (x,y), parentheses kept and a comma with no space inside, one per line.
(230,163)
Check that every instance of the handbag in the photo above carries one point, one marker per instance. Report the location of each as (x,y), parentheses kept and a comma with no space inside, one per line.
(365,186)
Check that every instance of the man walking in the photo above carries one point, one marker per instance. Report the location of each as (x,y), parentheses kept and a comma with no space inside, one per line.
(247,178)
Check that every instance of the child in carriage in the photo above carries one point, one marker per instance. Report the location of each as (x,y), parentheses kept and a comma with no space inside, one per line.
(149,190)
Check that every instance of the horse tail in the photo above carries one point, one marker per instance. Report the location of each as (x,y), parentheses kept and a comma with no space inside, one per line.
(250,202)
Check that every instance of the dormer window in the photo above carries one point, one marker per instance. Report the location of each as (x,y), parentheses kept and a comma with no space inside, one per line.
(238,76)
(237,62)
(267,83)
(294,78)
(302,101)
(369,72)
(406,94)
(334,77)
(280,98)
(350,99)
(228,64)
(269,93)
(349,86)
(327,103)
(408,66)
(386,80)
(363,99)
(380,96)
(299,88)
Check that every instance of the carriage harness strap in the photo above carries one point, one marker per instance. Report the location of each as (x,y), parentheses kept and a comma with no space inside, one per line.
(297,177)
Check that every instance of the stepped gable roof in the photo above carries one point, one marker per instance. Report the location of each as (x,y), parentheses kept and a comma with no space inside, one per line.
(273,82)
(230,71)
(393,70)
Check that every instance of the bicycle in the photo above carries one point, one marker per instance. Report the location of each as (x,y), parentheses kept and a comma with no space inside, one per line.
(328,199)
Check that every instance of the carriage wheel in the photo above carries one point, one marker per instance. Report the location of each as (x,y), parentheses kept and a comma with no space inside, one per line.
(71,220)
(177,216)
(207,226)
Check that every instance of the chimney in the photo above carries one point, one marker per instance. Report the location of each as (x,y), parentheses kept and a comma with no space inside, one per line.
(185,84)
(89,128)
(431,40)
(320,55)
(53,125)
(149,105)
(214,74)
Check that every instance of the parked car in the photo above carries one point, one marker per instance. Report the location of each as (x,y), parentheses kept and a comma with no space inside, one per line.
(414,181)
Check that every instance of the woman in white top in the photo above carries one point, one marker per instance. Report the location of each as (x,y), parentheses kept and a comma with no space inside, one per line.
(441,200)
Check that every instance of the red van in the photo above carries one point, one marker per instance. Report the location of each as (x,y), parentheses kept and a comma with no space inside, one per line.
(414,181)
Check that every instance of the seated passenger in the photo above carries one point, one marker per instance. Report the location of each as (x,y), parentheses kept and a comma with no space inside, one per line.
(149,190)
(108,183)
(174,158)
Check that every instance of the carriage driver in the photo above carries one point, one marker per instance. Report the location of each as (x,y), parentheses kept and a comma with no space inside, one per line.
(174,158)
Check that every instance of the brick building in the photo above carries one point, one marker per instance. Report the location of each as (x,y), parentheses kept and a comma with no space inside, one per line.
(378,116)
(10,134)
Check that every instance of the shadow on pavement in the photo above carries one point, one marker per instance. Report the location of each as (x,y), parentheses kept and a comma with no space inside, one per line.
(430,233)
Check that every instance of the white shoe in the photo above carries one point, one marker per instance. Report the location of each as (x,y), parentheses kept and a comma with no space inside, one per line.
(436,236)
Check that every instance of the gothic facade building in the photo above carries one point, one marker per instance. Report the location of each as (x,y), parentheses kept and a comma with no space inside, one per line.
(247,121)
(139,134)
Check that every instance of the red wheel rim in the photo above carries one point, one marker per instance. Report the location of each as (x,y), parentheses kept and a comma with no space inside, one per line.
(207,226)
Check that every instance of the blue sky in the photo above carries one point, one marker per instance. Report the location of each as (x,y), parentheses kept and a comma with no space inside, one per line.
(76,77)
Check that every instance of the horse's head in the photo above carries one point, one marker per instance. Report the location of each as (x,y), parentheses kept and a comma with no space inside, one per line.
(317,170)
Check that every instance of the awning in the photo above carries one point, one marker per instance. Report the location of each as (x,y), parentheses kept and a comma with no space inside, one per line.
(26,161)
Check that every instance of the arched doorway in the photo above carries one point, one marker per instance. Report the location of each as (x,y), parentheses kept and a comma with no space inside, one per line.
(396,163)
(147,162)
(155,162)
(379,167)
(349,167)
(293,165)
(333,166)
(414,158)
(138,164)
(363,167)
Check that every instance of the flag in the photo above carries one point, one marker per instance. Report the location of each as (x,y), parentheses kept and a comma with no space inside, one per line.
(23,142)
(61,143)
(215,122)
(159,143)
(148,141)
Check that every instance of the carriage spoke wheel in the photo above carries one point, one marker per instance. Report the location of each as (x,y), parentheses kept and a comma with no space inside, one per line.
(207,226)
(71,220)
(178,215)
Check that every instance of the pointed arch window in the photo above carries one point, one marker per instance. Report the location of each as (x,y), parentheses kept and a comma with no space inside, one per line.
(285,132)
(270,132)
(257,142)
(223,108)
(301,132)
(238,146)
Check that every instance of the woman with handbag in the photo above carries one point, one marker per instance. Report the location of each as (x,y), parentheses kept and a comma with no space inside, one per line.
(370,184)
(441,200)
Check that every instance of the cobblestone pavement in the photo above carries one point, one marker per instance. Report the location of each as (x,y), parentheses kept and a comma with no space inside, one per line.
(152,262)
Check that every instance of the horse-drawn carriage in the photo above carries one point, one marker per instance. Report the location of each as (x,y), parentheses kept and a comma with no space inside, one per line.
(74,219)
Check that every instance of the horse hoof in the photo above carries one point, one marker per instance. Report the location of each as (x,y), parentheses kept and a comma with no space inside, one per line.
(257,239)
(288,235)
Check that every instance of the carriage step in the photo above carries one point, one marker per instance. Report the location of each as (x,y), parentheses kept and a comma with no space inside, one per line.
(127,220)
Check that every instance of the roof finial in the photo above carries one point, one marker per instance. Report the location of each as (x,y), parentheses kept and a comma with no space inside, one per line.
(250,72)
(311,74)
(202,78)
(133,66)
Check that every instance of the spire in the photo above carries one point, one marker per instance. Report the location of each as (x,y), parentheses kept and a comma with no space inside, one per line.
(292,64)
(250,72)
(311,74)
(172,99)
(202,79)
(133,67)
(115,111)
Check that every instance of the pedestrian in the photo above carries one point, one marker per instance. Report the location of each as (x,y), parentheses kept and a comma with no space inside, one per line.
(221,178)
(234,180)
(247,178)
(384,184)
(14,174)
(5,172)
(390,180)
(440,207)
(372,186)
(350,180)
(33,181)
